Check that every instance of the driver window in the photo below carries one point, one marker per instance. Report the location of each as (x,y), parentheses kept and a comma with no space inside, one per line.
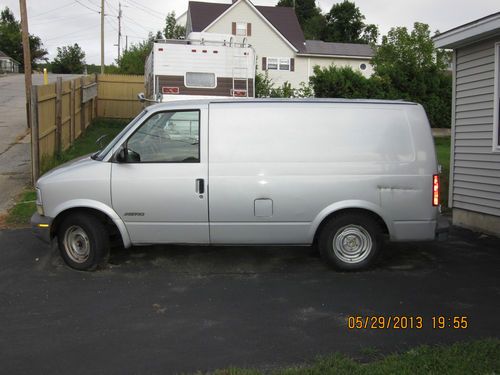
(168,137)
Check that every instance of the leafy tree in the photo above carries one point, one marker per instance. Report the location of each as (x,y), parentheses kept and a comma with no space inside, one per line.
(345,24)
(416,70)
(408,53)
(172,30)
(133,60)
(309,16)
(406,67)
(11,40)
(69,60)
(108,69)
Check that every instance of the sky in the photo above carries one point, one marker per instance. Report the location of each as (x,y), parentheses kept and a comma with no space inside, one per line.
(63,22)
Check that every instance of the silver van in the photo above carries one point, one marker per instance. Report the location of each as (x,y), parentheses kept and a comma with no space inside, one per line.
(342,174)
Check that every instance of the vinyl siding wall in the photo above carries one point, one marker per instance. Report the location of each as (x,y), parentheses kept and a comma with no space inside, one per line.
(475,167)
(264,40)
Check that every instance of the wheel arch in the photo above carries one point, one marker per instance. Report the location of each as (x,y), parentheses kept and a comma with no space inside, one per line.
(365,208)
(102,211)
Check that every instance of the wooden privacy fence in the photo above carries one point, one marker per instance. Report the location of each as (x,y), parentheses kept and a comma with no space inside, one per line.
(61,111)
(117,95)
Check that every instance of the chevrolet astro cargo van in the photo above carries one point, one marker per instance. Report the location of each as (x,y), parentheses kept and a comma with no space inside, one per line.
(341,174)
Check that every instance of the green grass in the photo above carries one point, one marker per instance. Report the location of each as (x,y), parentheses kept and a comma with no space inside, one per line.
(478,357)
(24,208)
(443,155)
(86,144)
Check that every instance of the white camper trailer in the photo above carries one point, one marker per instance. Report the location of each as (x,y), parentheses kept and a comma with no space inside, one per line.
(204,65)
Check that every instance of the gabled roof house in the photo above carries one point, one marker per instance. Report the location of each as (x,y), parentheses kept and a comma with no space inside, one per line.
(278,40)
(8,64)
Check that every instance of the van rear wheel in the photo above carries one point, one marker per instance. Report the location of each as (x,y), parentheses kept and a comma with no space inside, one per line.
(350,242)
(83,241)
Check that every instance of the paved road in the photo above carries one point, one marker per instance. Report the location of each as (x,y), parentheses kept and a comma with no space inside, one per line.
(172,309)
(15,154)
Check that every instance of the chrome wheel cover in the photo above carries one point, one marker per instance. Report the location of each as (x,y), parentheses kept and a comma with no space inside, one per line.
(352,244)
(76,244)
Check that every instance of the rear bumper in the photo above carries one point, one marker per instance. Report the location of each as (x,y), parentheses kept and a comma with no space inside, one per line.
(442,228)
(40,226)
(421,230)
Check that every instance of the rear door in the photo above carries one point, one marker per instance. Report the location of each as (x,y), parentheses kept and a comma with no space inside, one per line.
(162,197)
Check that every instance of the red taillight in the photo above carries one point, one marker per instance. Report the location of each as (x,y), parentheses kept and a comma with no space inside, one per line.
(435,190)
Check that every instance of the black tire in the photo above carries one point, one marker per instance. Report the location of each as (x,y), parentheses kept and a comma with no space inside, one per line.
(350,242)
(83,242)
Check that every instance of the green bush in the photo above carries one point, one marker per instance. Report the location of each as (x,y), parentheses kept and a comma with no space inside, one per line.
(433,90)
(264,88)
(407,66)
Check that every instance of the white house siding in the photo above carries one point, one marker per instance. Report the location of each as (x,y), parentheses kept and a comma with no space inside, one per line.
(266,42)
(305,65)
(475,184)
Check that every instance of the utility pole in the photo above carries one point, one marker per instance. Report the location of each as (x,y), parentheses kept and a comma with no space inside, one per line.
(27,58)
(102,36)
(119,28)
(126,43)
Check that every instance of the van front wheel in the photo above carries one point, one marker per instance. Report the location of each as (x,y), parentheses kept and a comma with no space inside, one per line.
(83,241)
(350,242)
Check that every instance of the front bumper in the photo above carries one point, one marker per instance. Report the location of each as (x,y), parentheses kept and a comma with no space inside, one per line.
(40,226)
(442,228)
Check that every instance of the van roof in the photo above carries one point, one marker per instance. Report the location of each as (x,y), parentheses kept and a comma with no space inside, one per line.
(191,102)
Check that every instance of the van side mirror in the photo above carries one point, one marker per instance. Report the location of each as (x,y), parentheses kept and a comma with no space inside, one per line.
(126,155)
(121,157)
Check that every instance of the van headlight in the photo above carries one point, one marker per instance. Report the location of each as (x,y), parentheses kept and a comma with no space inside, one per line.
(39,202)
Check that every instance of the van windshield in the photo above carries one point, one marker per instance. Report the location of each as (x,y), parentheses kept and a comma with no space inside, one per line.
(102,153)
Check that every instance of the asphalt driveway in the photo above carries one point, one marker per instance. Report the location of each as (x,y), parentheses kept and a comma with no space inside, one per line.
(173,309)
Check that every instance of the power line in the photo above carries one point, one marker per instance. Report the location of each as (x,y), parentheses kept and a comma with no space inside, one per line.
(110,24)
(110,6)
(50,11)
(85,6)
(72,33)
(138,24)
(154,11)
(64,18)
(146,10)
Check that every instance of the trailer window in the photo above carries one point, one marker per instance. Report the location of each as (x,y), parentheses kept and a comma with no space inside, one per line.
(201,80)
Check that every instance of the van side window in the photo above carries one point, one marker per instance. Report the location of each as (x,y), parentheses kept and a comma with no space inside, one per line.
(168,137)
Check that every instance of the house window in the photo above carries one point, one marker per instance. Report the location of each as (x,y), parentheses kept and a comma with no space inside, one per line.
(362,66)
(200,80)
(241,28)
(284,64)
(272,63)
(278,63)
(496,104)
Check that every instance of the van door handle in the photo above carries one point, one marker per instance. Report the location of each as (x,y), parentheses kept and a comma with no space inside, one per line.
(200,186)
